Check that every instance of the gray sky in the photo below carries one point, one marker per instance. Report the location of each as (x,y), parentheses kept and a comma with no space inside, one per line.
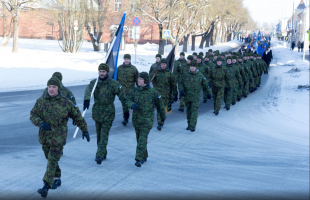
(270,10)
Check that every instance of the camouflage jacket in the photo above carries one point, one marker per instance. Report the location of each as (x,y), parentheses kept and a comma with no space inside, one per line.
(153,69)
(219,77)
(147,98)
(210,64)
(55,111)
(104,96)
(258,67)
(164,81)
(247,69)
(241,71)
(204,70)
(253,68)
(65,92)
(234,74)
(263,65)
(192,84)
(180,67)
(127,76)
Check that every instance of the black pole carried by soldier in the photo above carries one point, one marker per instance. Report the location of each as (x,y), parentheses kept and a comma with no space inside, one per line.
(163,80)
(103,111)
(142,100)
(127,76)
(51,113)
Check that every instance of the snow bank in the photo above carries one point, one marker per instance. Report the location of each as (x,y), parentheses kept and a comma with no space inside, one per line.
(37,60)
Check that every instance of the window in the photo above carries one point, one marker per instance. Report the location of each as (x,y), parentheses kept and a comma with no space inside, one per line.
(132,7)
(131,31)
(117,5)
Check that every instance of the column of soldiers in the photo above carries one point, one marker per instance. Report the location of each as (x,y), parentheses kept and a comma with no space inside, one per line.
(230,75)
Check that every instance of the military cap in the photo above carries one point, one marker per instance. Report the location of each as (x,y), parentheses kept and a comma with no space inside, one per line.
(127,56)
(222,54)
(195,54)
(234,57)
(210,50)
(182,54)
(200,56)
(228,57)
(145,76)
(158,56)
(58,75)
(219,59)
(240,57)
(201,53)
(207,56)
(193,63)
(53,81)
(190,57)
(104,66)
(163,60)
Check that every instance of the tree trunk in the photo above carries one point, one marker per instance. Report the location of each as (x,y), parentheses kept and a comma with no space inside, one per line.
(229,37)
(208,38)
(203,38)
(185,42)
(223,35)
(216,36)
(176,50)
(4,22)
(193,42)
(212,38)
(16,29)
(161,49)
(6,40)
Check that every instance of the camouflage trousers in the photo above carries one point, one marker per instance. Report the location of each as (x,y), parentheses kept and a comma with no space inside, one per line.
(218,93)
(192,113)
(246,88)
(102,130)
(165,102)
(228,95)
(235,92)
(259,80)
(239,93)
(52,154)
(141,136)
(124,106)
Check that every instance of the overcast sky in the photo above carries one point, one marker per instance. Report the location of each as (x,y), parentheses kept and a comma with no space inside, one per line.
(270,10)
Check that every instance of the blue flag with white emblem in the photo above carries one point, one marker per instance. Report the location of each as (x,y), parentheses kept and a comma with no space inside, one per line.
(113,51)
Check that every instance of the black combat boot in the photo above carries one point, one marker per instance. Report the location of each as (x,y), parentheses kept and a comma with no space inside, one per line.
(216,112)
(204,100)
(192,129)
(126,117)
(188,128)
(57,183)
(143,160)
(44,191)
(239,98)
(138,163)
(98,160)
(181,109)
(228,108)
(159,126)
(233,103)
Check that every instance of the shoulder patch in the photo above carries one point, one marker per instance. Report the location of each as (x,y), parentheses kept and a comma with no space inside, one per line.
(204,78)
(119,86)
(159,96)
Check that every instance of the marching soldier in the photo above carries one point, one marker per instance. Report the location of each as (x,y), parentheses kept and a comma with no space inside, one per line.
(205,72)
(51,113)
(247,69)
(155,66)
(165,84)
(142,100)
(242,73)
(103,111)
(127,76)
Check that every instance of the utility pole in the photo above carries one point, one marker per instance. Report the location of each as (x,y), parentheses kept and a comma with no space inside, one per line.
(292,25)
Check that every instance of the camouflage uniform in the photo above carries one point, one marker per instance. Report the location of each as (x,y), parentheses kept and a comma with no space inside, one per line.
(247,70)
(180,67)
(55,111)
(235,78)
(192,84)
(219,77)
(164,81)
(147,98)
(254,73)
(153,69)
(103,111)
(244,78)
(205,72)
(127,76)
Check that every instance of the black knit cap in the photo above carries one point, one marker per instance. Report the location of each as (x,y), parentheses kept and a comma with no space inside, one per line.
(104,66)
(58,75)
(53,81)
(145,76)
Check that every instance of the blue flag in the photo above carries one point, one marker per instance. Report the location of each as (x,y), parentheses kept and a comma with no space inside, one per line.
(113,51)
(258,36)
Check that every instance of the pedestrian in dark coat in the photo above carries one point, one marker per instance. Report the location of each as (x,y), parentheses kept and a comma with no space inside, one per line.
(266,57)
(302,46)
(293,45)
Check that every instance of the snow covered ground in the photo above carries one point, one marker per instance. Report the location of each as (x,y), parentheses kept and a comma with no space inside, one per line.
(258,149)
(37,60)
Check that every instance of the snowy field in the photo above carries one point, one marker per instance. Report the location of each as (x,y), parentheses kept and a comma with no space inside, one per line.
(41,58)
(257,150)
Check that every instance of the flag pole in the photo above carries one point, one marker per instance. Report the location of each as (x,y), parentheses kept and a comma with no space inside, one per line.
(105,61)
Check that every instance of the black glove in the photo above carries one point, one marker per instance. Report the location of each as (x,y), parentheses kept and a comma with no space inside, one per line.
(86,134)
(86,105)
(182,94)
(45,126)
(74,123)
(209,96)
(229,89)
(175,98)
(135,106)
